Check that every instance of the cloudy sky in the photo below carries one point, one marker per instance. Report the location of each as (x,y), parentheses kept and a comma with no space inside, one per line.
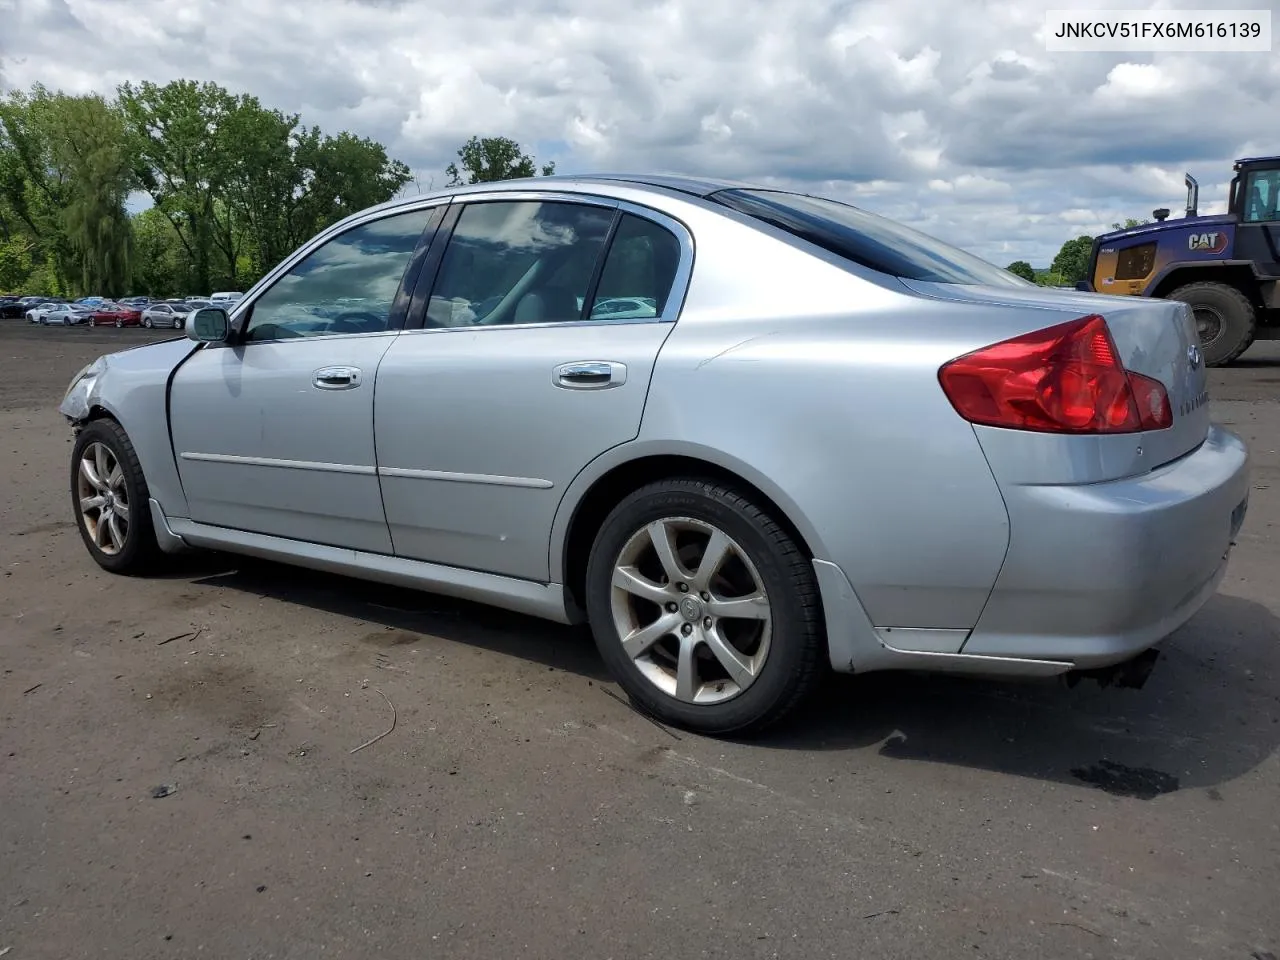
(946,114)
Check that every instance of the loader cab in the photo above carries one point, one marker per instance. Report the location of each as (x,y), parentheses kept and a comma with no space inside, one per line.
(1255,205)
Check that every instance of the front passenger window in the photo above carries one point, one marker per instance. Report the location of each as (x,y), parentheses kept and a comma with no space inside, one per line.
(347,285)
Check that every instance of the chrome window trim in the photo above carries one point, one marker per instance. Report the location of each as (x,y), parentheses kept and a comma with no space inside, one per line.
(679,284)
(536,195)
(245,345)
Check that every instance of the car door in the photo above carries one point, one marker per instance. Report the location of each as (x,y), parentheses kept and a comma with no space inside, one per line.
(514,378)
(273,431)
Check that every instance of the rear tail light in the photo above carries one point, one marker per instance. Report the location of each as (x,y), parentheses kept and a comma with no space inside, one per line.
(1063,379)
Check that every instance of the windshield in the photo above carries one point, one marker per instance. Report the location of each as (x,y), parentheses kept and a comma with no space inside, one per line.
(866,238)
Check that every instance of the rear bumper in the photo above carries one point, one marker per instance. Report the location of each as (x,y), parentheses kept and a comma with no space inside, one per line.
(1097,573)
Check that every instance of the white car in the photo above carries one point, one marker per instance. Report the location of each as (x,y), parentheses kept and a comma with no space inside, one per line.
(37,311)
(226,298)
(62,314)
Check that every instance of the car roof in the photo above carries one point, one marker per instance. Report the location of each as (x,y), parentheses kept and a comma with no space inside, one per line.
(659,184)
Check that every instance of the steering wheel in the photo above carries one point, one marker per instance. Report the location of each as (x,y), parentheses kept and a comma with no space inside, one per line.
(358,321)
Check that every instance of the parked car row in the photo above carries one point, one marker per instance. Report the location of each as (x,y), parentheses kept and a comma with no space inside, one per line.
(98,311)
(101,311)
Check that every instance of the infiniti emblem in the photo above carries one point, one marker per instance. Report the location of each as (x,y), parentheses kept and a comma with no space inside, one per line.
(1193,357)
(690,608)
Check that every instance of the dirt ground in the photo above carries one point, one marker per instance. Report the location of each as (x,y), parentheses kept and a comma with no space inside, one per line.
(520,809)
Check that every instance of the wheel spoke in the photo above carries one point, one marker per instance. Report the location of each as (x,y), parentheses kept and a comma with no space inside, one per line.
(664,545)
(638,641)
(631,580)
(115,478)
(90,473)
(121,510)
(117,534)
(101,466)
(719,546)
(755,606)
(91,503)
(737,666)
(100,530)
(686,670)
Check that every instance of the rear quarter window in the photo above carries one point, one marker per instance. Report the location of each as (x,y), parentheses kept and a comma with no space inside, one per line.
(867,238)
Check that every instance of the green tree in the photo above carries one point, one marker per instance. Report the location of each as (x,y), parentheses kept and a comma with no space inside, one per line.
(91,143)
(264,185)
(488,159)
(1020,268)
(342,175)
(1072,261)
(15,263)
(65,171)
(160,258)
(33,187)
(243,185)
(182,160)
(1129,224)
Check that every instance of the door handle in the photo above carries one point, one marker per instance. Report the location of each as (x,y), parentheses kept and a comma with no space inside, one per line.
(590,375)
(336,378)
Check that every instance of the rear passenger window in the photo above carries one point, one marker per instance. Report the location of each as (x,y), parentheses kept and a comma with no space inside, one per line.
(519,262)
(638,271)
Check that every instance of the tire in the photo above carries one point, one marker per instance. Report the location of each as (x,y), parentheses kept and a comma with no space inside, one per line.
(786,651)
(119,324)
(1232,314)
(139,549)
(146,322)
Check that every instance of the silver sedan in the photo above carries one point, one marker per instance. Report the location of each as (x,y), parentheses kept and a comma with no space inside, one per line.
(173,315)
(748,435)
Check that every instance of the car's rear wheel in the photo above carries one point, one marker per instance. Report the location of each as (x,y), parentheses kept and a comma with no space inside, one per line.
(119,324)
(110,498)
(704,608)
(1225,320)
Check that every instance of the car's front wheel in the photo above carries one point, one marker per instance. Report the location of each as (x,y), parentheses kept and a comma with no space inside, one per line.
(110,498)
(704,608)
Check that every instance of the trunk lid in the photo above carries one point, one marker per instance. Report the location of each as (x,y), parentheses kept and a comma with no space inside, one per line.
(1156,338)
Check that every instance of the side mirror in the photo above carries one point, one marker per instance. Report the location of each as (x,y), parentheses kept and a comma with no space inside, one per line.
(209,325)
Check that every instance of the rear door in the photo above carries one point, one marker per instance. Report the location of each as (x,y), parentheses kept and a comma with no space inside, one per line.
(524,368)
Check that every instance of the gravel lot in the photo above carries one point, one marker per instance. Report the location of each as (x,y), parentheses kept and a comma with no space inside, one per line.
(519,808)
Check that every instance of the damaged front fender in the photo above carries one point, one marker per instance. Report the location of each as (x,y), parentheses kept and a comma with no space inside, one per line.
(78,400)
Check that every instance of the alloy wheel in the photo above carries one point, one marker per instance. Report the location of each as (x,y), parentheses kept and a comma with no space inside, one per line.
(691,610)
(104,498)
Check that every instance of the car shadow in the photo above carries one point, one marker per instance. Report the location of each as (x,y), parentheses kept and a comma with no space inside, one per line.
(1209,713)
(412,611)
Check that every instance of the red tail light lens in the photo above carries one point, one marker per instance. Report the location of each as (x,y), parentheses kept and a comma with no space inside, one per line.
(1063,379)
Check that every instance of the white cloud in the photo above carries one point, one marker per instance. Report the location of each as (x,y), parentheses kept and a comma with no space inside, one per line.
(951,116)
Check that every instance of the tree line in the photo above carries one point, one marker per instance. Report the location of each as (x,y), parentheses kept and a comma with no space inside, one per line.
(234,185)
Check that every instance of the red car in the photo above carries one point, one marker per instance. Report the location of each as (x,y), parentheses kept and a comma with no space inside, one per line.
(116,313)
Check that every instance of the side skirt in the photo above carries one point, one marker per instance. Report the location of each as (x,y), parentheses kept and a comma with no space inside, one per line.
(543,600)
